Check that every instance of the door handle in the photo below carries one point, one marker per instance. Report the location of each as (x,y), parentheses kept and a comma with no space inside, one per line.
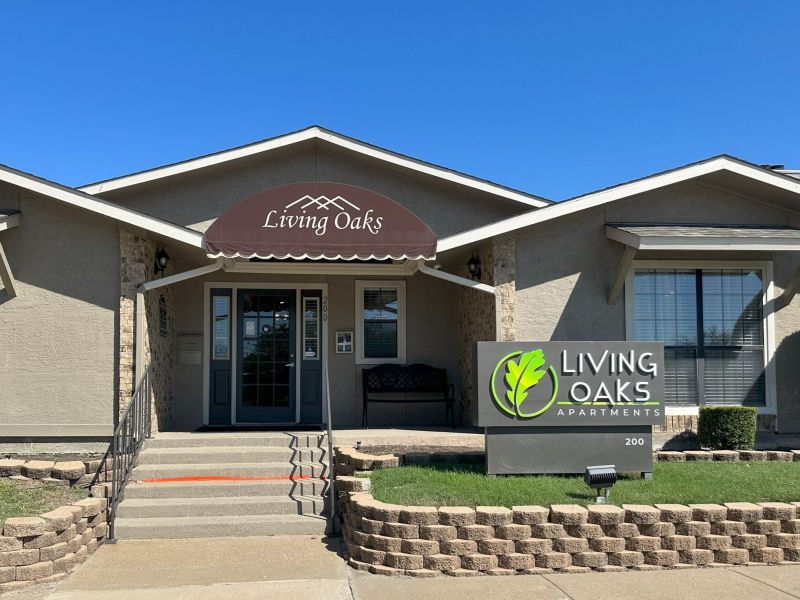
(291,364)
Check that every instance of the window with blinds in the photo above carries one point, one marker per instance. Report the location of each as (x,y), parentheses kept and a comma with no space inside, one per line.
(380,322)
(711,323)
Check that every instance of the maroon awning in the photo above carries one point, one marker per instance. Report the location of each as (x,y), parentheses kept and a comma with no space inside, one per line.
(320,220)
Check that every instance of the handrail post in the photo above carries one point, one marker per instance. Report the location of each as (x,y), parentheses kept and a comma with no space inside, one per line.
(331,474)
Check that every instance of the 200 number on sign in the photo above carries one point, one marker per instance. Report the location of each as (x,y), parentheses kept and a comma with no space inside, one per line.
(634,441)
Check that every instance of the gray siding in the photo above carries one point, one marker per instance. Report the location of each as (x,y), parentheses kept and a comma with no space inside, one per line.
(58,336)
(565,266)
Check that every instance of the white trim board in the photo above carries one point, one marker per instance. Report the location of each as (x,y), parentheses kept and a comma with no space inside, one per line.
(768,306)
(326,135)
(625,190)
(360,286)
(84,201)
(8,221)
(701,243)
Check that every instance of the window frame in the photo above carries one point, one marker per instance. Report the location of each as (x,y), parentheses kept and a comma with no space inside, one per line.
(360,286)
(768,318)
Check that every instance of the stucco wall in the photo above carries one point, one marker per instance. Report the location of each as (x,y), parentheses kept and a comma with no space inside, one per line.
(58,336)
(565,266)
(197,199)
(431,338)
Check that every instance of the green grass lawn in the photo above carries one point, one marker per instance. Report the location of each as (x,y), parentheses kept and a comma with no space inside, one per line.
(26,500)
(683,483)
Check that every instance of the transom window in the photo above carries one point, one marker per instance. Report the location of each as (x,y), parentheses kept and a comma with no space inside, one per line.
(380,321)
(711,322)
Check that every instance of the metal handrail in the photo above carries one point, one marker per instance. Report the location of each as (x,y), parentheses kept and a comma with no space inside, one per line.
(133,429)
(331,474)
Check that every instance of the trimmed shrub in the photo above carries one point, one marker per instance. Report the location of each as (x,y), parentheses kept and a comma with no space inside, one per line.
(727,427)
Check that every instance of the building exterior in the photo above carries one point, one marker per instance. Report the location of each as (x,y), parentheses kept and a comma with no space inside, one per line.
(315,253)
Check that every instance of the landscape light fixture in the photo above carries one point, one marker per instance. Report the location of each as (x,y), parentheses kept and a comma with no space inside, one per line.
(161,261)
(474,267)
(600,478)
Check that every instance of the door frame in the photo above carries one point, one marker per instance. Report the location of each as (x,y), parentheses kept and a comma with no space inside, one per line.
(235,286)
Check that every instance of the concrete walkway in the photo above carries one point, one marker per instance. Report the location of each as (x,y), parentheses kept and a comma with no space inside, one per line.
(310,568)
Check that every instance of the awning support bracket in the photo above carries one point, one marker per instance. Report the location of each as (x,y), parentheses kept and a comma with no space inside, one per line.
(790,290)
(7,277)
(625,265)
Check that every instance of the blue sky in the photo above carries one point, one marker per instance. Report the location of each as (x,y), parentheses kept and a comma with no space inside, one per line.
(553,98)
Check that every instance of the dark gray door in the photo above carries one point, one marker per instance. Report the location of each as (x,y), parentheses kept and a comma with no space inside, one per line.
(311,357)
(266,347)
(220,353)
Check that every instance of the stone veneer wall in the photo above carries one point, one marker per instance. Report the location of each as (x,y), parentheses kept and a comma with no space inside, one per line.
(476,310)
(426,541)
(48,547)
(137,256)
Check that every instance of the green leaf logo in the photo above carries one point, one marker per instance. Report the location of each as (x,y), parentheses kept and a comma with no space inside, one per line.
(523,375)
(523,370)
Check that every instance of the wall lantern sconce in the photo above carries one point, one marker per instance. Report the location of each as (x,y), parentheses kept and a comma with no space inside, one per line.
(161,261)
(474,267)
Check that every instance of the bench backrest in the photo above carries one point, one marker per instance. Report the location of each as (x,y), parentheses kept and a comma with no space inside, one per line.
(388,379)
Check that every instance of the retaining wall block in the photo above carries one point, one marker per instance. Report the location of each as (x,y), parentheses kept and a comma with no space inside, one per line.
(10,467)
(622,530)
(385,543)
(697,556)
(438,533)
(784,540)
(462,573)
(553,560)
(513,531)
(16,558)
(476,532)
(641,514)
(749,541)
(709,513)
(744,511)
(779,456)
(568,514)
(71,470)
(534,546)
(386,512)
(732,556)
(698,455)
(725,455)
(38,469)
(493,515)
(371,525)
(570,545)
(401,560)
(714,542)
(767,555)
(495,546)
(661,558)
(606,514)
(479,562)
(752,455)
(792,554)
(675,513)
(590,559)
(384,570)
(663,529)
(458,547)
(679,542)
(670,456)
(53,552)
(729,528)
(607,544)
(764,526)
(626,558)
(10,543)
(441,562)
(643,543)
(419,515)
(778,511)
(456,515)
(24,526)
(587,530)
(48,538)
(530,515)
(421,547)
(371,556)
(548,530)
(516,561)
(694,528)
(401,530)
(791,526)
(422,573)
(34,571)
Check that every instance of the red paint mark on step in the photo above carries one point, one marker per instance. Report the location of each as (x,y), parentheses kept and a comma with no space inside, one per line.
(225,478)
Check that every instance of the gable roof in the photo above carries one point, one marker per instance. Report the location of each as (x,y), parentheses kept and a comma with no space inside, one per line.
(717,164)
(83,200)
(325,135)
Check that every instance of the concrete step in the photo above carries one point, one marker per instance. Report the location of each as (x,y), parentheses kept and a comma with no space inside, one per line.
(222,506)
(233,526)
(210,440)
(228,454)
(277,469)
(217,489)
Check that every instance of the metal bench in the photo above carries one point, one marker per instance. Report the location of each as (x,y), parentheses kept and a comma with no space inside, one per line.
(424,384)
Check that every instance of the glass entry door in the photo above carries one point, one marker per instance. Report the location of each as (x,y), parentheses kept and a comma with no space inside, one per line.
(266,378)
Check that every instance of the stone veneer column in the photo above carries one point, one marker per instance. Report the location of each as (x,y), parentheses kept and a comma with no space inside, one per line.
(477,311)
(137,255)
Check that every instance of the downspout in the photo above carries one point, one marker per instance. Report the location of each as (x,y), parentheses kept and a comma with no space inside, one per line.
(481,287)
